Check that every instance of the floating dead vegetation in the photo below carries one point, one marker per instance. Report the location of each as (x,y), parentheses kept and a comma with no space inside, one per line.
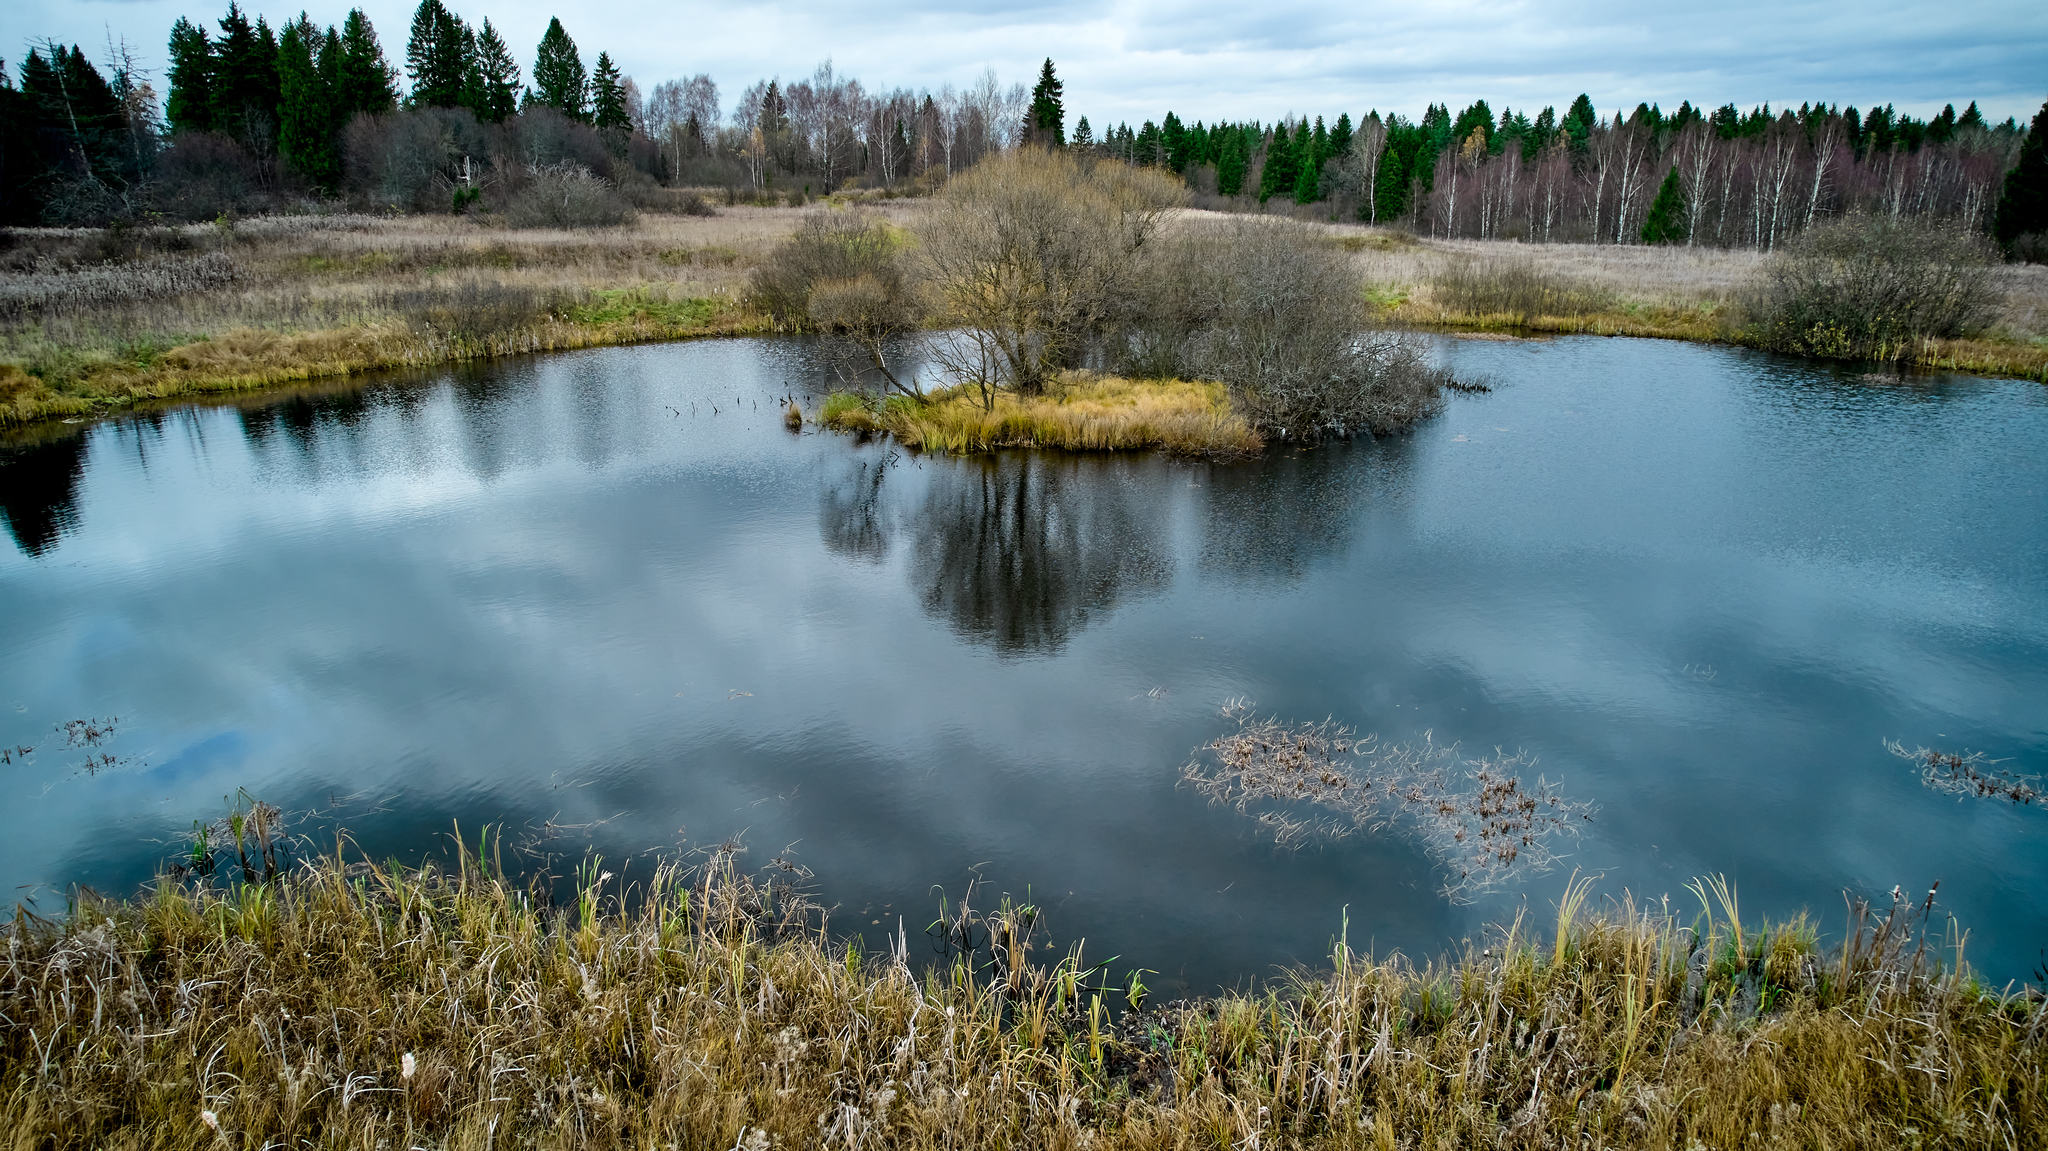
(1481,817)
(1968,773)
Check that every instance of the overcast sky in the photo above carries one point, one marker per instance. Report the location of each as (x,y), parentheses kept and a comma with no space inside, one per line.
(1135,59)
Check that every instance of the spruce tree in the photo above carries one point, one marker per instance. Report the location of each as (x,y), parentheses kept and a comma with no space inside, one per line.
(1084,136)
(608,97)
(1664,223)
(558,77)
(189,107)
(434,56)
(1045,123)
(2022,221)
(305,112)
(491,85)
(1578,125)
(364,81)
(1173,138)
(1308,168)
(1232,158)
(1340,135)
(1278,175)
(244,94)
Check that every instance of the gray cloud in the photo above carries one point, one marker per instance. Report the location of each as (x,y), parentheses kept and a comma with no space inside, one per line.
(1133,59)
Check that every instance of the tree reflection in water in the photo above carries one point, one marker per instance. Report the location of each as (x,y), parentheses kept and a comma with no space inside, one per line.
(1020,549)
(1273,518)
(850,511)
(39,490)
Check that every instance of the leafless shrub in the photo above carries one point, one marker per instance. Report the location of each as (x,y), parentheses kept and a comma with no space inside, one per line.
(566,195)
(1968,774)
(1032,253)
(205,174)
(45,291)
(1477,816)
(478,316)
(842,274)
(1275,313)
(1872,288)
(1513,288)
(694,204)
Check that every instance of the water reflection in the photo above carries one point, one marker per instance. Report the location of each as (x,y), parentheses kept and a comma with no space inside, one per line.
(593,592)
(39,490)
(850,510)
(1274,518)
(1020,549)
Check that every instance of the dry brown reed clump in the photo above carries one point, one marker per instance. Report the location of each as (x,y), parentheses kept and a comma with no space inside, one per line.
(1512,290)
(372,1006)
(1969,774)
(1478,816)
(1076,413)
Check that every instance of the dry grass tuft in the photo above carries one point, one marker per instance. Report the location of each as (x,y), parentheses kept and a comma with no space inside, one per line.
(368,1006)
(1969,774)
(1076,413)
(1481,820)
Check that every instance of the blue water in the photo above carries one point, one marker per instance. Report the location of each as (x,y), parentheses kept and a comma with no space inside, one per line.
(1701,586)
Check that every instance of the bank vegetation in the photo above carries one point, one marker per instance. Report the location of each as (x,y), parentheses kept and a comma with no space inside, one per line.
(353,1004)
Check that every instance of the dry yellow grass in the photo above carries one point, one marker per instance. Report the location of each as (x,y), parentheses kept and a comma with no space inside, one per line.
(1663,292)
(309,297)
(1081,413)
(370,1007)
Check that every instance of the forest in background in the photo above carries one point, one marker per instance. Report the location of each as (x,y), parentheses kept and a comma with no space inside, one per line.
(256,119)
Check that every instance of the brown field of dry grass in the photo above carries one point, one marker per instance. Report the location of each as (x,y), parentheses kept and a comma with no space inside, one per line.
(93,321)
(363,1006)
(1671,293)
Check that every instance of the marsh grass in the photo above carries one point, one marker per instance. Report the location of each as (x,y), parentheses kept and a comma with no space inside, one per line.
(1697,294)
(91,321)
(1077,412)
(364,1005)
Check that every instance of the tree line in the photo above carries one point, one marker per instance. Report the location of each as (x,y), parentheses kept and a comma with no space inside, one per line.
(255,117)
(1722,177)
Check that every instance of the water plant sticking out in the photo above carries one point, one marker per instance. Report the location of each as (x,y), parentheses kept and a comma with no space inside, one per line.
(1968,774)
(1478,816)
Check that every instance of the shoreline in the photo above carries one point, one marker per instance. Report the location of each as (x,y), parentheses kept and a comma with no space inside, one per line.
(709,1006)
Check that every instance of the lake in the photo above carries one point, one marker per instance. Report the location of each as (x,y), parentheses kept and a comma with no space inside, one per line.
(606,600)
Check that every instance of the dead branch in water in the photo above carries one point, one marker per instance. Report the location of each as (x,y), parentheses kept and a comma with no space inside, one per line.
(1479,817)
(1968,774)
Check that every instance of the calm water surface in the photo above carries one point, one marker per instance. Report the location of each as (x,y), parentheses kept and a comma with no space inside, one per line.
(1701,586)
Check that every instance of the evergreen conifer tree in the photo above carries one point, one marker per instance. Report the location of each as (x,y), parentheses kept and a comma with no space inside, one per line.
(1233,156)
(305,114)
(2022,221)
(1173,140)
(1084,136)
(1664,223)
(1578,125)
(496,77)
(1045,122)
(1308,169)
(558,77)
(608,97)
(364,81)
(189,106)
(1278,175)
(244,93)
(1340,135)
(434,56)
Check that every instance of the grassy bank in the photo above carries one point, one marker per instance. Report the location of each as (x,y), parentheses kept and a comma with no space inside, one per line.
(96,320)
(364,1006)
(1661,292)
(92,321)
(1079,413)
